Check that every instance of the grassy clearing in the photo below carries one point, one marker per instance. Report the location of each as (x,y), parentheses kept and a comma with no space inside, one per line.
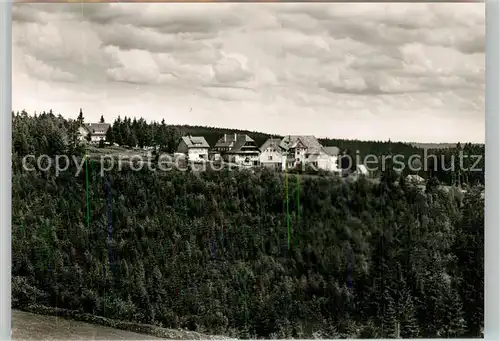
(29,326)
(45,323)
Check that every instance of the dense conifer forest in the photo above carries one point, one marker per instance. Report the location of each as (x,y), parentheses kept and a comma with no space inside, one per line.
(241,253)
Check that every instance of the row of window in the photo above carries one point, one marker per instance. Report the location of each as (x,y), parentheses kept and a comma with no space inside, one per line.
(314,163)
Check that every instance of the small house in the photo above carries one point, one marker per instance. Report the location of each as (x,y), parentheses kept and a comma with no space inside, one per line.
(194,147)
(271,154)
(328,159)
(96,132)
(415,179)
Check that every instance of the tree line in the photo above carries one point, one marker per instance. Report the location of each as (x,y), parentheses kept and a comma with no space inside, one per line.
(445,165)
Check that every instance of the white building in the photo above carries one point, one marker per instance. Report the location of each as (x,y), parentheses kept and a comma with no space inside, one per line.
(271,154)
(194,147)
(238,148)
(300,150)
(415,179)
(96,131)
(328,159)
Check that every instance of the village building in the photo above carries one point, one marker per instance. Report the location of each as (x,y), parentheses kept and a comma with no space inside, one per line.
(271,154)
(328,159)
(96,132)
(194,147)
(237,148)
(415,179)
(300,150)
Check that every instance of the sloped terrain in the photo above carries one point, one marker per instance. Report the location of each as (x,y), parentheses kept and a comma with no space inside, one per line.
(28,326)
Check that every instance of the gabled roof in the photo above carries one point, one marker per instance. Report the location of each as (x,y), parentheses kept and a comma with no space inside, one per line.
(240,143)
(237,144)
(225,141)
(309,141)
(271,142)
(195,142)
(93,127)
(332,151)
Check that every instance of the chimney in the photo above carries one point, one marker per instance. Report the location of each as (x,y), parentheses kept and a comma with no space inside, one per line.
(235,136)
(225,137)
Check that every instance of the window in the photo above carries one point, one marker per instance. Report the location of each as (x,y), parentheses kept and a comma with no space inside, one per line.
(270,158)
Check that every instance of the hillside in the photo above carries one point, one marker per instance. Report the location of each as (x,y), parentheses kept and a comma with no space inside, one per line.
(440,145)
(39,322)
(245,254)
(28,326)
(213,134)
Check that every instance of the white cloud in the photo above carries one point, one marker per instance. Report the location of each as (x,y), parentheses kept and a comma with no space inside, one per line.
(369,71)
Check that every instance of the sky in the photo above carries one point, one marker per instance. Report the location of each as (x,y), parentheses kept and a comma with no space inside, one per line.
(400,71)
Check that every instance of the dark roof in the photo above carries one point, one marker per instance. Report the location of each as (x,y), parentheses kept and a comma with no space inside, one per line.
(270,142)
(225,141)
(195,142)
(237,144)
(93,127)
(309,141)
(332,151)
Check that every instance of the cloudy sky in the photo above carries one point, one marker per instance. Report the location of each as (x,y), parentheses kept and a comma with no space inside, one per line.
(408,72)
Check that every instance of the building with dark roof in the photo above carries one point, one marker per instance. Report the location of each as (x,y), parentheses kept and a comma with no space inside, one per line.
(194,147)
(300,150)
(96,131)
(238,148)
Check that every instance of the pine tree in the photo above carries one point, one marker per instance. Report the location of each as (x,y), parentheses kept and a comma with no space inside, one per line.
(452,323)
(80,118)
(409,323)
(110,136)
(74,138)
(389,318)
(469,250)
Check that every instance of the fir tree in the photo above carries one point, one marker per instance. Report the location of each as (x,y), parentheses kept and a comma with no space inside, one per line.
(389,316)
(80,118)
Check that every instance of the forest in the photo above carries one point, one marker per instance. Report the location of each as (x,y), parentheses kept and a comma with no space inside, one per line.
(245,254)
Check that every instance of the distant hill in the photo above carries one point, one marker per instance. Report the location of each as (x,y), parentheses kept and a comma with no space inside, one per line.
(433,145)
(438,145)
(213,134)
